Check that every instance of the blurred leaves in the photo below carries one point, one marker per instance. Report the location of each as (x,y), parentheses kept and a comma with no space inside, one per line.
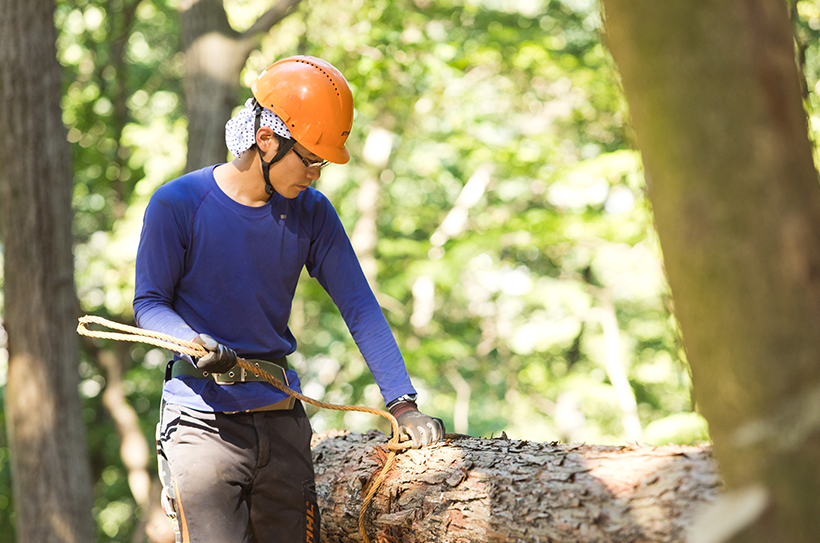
(509,208)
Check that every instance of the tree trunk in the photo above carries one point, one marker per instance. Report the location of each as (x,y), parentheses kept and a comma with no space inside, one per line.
(49,459)
(498,490)
(715,100)
(214,57)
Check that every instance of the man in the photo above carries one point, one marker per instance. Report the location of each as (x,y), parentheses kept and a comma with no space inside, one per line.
(219,258)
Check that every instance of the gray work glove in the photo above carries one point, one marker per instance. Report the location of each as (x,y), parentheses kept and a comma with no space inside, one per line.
(219,360)
(420,428)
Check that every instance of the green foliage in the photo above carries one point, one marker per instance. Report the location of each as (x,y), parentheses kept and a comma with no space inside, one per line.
(519,113)
(6,497)
(806,17)
(677,428)
(122,90)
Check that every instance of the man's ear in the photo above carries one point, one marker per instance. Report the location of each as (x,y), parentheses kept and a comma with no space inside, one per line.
(266,140)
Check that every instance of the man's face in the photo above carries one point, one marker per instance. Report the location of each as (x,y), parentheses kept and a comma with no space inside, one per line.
(290,176)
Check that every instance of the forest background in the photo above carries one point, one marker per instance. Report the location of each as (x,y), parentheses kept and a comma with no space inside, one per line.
(494,198)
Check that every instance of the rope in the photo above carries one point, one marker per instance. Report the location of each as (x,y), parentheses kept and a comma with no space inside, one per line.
(139,335)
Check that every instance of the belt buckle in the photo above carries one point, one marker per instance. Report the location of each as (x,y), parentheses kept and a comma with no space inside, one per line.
(235,375)
(276,371)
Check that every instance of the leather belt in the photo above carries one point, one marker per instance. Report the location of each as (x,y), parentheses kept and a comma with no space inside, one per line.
(241,375)
(235,374)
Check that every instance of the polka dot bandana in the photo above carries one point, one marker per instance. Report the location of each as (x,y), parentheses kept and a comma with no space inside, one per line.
(239,133)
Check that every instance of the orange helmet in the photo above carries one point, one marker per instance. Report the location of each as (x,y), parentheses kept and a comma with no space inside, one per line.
(313,99)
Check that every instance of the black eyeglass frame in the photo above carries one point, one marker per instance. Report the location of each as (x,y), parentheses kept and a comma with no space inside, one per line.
(320,164)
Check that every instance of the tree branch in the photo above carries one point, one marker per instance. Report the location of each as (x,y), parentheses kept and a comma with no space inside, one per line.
(269,19)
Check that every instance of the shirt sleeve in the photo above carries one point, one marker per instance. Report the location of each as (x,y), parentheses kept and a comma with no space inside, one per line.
(160,264)
(333,262)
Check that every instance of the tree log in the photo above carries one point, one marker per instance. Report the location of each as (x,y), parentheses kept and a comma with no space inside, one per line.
(469,489)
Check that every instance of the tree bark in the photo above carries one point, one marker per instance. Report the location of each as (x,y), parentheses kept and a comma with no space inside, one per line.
(215,54)
(476,490)
(49,458)
(715,100)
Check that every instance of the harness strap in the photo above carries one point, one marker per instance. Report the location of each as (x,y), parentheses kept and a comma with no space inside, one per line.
(236,374)
(284,147)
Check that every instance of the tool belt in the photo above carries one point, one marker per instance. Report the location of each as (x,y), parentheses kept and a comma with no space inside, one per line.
(241,375)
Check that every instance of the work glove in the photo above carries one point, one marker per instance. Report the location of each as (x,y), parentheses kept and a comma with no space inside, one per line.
(420,428)
(219,360)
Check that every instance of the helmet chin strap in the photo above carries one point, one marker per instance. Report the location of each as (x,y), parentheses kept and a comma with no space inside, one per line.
(284,147)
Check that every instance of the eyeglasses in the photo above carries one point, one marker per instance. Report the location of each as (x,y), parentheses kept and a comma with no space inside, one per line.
(308,164)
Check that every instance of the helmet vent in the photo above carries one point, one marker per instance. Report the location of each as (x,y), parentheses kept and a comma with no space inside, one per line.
(327,75)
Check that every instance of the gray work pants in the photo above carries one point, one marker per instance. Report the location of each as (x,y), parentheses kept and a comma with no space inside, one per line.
(241,478)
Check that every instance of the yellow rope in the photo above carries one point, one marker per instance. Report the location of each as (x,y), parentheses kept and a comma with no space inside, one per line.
(190,348)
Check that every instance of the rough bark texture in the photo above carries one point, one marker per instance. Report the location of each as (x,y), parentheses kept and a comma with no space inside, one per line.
(49,460)
(497,490)
(215,54)
(715,100)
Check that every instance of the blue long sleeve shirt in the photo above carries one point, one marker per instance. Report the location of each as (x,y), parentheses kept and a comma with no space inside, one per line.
(208,264)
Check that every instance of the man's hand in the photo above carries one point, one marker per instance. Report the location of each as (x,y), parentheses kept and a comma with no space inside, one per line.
(420,428)
(219,360)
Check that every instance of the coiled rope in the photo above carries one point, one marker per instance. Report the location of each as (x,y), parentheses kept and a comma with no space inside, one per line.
(164,341)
